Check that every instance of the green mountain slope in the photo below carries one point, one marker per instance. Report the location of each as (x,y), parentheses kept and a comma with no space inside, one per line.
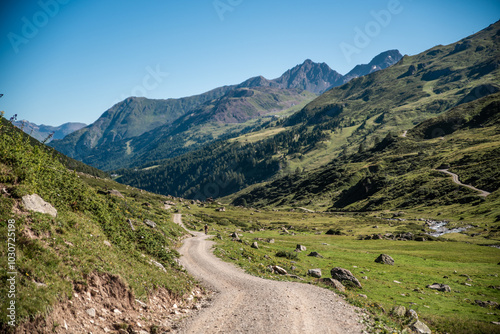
(127,119)
(238,111)
(344,120)
(123,135)
(401,172)
(89,239)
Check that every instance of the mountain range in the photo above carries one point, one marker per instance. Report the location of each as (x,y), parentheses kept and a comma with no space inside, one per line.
(138,130)
(42,132)
(348,125)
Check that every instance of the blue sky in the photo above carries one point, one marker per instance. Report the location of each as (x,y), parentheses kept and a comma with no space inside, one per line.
(71,60)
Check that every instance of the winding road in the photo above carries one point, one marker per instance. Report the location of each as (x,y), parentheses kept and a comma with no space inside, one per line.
(249,304)
(457,181)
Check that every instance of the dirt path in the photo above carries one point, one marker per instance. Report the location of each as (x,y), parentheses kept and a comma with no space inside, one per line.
(248,304)
(457,181)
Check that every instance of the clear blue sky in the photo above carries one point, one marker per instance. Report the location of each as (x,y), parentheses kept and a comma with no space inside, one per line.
(71,60)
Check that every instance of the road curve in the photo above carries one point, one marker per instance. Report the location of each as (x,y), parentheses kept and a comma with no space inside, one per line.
(249,304)
(457,181)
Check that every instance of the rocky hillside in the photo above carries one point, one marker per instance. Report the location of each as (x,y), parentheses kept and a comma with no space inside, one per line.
(84,252)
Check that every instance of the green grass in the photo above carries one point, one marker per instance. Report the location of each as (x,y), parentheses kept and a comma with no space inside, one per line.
(417,264)
(54,253)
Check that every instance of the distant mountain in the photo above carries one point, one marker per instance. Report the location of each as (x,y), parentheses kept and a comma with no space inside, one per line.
(310,76)
(128,129)
(383,60)
(42,132)
(353,118)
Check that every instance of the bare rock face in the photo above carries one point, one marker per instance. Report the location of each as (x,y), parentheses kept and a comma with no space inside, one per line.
(342,275)
(37,204)
(385,259)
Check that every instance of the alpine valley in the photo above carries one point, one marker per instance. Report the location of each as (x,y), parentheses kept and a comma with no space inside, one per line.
(392,171)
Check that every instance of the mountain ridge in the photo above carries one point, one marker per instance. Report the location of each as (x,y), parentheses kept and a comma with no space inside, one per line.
(41,132)
(126,121)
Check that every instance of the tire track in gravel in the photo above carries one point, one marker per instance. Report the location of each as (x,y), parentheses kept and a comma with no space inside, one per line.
(247,304)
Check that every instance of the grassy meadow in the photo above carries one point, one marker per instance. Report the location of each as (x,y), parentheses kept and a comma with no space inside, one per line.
(453,259)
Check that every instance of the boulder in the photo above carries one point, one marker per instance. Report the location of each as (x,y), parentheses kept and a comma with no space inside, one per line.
(315,254)
(114,192)
(412,314)
(385,259)
(440,287)
(399,311)
(314,273)
(300,248)
(421,328)
(344,275)
(37,204)
(150,223)
(255,245)
(278,270)
(334,283)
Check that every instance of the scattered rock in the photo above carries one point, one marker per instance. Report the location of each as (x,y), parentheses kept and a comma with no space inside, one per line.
(365,277)
(114,192)
(129,221)
(150,223)
(221,209)
(255,245)
(300,248)
(159,265)
(334,283)
(314,273)
(278,270)
(271,241)
(315,254)
(343,275)
(488,304)
(421,328)
(385,259)
(440,287)
(37,204)
(363,296)
(91,312)
(107,243)
(412,314)
(399,311)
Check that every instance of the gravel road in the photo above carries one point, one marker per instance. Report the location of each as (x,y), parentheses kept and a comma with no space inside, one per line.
(457,181)
(247,304)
